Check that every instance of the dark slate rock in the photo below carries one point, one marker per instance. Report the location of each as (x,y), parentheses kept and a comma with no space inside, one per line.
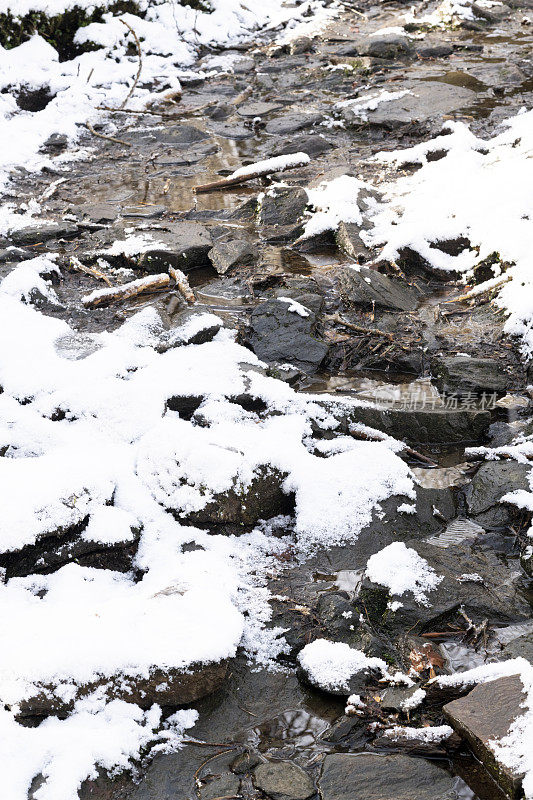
(492,480)
(283,206)
(368,287)
(283,780)
(425,424)
(186,246)
(290,123)
(279,335)
(245,762)
(486,714)
(33,234)
(372,777)
(226,785)
(461,374)
(144,212)
(314,145)
(257,108)
(389,45)
(225,255)
(393,699)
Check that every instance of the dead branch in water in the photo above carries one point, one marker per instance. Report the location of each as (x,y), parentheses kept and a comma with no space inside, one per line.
(482,288)
(182,284)
(75,263)
(139,69)
(116,294)
(262,170)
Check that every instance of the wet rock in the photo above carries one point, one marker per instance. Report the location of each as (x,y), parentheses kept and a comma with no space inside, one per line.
(389,46)
(526,560)
(468,575)
(100,212)
(14,255)
(394,699)
(500,434)
(257,109)
(392,777)
(175,135)
(283,780)
(463,374)
(303,44)
(426,101)
(435,51)
(491,482)
(425,425)
(277,334)
(368,287)
(312,144)
(485,715)
(227,785)
(348,732)
(225,255)
(336,616)
(186,246)
(290,123)
(56,142)
(241,508)
(418,746)
(283,206)
(348,238)
(33,234)
(246,762)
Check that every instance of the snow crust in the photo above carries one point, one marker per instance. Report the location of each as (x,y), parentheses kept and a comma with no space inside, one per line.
(332,664)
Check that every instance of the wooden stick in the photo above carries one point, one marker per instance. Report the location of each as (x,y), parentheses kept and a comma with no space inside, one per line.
(182,284)
(103,136)
(75,263)
(119,293)
(139,70)
(366,437)
(262,170)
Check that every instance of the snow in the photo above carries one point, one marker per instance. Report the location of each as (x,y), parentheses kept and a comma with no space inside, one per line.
(334,202)
(271,165)
(369,102)
(332,664)
(294,306)
(112,468)
(416,699)
(433,734)
(401,569)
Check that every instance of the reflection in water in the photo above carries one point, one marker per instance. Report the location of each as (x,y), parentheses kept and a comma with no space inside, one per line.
(294,730)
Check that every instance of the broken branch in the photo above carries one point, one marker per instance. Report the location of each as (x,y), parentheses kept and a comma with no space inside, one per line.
(103,136)
(182,284)
(260,169)
(119,293)
(482,288)
(366,437)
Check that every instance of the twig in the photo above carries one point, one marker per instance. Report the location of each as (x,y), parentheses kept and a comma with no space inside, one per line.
(182,284)
(482,288)
(75,263)
(360,328)
(260,170)
(103,136)
(139,70)
(124,292)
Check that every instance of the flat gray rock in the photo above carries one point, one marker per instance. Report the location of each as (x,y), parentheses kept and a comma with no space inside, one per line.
(283,780)
(424,102)
(225,255)
(486,714)
(462,373)
(492,480)
(290,123)
(373,777)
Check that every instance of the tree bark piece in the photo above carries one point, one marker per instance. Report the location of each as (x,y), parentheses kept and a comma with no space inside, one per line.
(258,170)
(182,284)
(117,294)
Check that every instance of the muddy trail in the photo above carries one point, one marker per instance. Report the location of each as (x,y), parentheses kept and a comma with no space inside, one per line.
(432,370)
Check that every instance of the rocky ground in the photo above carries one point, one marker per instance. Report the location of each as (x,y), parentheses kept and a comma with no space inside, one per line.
(436,373)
